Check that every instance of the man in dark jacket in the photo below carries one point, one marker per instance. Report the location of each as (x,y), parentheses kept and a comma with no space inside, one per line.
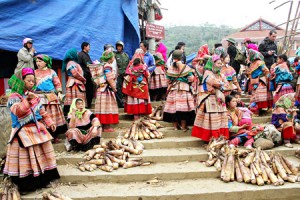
(122,60)
(180,46)
(268,48)
(84,59)
(231,50)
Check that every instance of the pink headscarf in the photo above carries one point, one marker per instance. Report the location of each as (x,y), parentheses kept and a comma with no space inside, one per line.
(26,71)
(163,50)
(252,46)
(215,57)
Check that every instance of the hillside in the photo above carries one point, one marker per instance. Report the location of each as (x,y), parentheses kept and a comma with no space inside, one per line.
(195,36)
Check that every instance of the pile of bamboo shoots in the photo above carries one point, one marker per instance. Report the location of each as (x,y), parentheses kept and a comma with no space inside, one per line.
(2,163)
(111,155)
(157,112)
(9,191)
(255,166)
(54,196)
(144,129)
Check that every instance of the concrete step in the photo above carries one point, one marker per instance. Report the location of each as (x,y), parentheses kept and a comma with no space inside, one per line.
(245,100)
(210,188)
(165,171)
(262,119)
(167,142)
(151,155)
(166,155)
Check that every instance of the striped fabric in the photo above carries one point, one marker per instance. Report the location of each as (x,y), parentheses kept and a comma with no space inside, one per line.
(75,134)
(56,114)
(135,106)
(158,79)
(74,91)
(34,160)
(106,107)
(262,97)
(179,100)
(286,89)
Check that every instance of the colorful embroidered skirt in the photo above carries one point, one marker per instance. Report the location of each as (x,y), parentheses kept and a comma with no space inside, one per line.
(135,106)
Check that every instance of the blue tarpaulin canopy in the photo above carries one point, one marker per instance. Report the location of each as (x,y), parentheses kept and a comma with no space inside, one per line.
(58,25)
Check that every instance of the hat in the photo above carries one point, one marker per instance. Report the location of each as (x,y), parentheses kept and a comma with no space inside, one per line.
(231,40)
(177,54)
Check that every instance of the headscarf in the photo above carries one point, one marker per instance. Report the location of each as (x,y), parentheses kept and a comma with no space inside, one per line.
(163,50)
(209,64)
(159,58)
(286,101)
(107,55)
(78,113)
(221,52)
(214,58)
(70,55)
(255,55)
(139,53)
(47,59)
(177,54)
(252,46)
(16,81)
(202,52)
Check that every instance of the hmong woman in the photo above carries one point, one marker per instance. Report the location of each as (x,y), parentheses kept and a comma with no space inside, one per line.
(158,80)
(259,79)
(180,105)
(198,64)
(211,119)
(228,72)
(47,84)
(106,107)
(84,127)
(75,85)
(283,119)
(282,77)
(135,86)
(30,158)
(239,133)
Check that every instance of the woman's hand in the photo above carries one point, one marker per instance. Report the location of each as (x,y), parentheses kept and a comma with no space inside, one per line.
(59,96)
(74,111)
(53,127)
(31,95)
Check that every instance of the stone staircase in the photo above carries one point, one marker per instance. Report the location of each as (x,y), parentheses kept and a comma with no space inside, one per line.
(175,162)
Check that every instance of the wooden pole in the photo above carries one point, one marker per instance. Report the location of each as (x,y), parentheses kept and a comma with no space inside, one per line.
(294,26)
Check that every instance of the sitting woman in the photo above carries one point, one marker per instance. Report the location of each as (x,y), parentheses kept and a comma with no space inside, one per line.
(282,77)
(84,127)
(283,119)
(30,160)
(239,131)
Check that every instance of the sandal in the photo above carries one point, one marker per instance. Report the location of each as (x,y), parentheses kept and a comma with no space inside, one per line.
(288,145)
(109,130)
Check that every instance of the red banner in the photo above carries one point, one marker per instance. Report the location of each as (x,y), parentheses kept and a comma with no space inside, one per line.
(155,31)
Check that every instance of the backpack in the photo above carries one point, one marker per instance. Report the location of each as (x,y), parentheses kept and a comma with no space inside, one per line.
(240,57)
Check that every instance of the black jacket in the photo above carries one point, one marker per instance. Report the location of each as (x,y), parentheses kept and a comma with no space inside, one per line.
(265,46)
(84,59)
(231,50)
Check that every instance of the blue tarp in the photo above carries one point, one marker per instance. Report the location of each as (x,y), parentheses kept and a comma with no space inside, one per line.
(58,25)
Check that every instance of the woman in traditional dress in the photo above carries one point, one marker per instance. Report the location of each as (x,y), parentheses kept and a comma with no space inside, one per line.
(283,117)
(282,77)
(240,133)
(158,81)
(180,104)
(47,86)
(198,63)
(211,119)
(135,86)
(259,79)
(228,72)
(106,107)
(75,85)
(84,127)
(30,160)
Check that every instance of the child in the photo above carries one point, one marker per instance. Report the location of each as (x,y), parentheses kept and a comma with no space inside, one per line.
(246,116)
(237,95)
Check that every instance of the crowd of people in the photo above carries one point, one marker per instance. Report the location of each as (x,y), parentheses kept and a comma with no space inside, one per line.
(205,94)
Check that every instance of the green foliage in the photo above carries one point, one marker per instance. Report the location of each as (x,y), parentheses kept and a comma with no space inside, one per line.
(195,36)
